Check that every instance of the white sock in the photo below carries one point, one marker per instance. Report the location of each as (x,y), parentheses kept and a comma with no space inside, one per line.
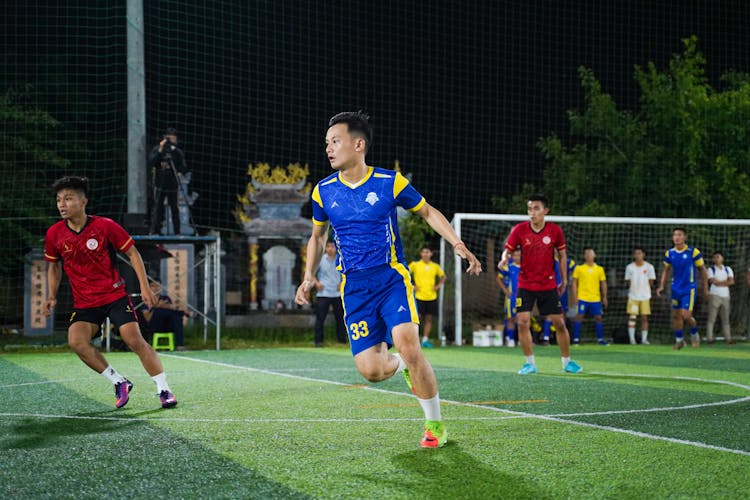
(631,334)
(161,382)
(565,361)
(530,360)
(431,407)
(401,364)
(644,335)
(111,374)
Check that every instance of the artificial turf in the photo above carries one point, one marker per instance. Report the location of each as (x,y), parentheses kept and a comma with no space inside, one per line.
(640,422)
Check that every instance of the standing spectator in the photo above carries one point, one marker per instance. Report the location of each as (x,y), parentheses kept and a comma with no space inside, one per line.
(684,261)
(328,286)
(639,276)
(590,291)
(507,279)
(428,278)
(720,277)
(166,316)
(168,164)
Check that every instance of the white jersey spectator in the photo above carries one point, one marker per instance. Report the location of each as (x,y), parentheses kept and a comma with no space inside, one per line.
(720,277)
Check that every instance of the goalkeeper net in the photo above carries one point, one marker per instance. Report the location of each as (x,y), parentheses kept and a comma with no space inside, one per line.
(470,303)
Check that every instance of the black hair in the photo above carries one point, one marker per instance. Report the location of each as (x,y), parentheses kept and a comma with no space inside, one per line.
(718,252)
(539,197)
(425,247)
(357,122)
(170,131)
(588,248)
(679,228)
(80,184)
(638,247)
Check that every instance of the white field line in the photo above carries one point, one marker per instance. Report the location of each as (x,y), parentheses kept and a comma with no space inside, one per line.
(508,414)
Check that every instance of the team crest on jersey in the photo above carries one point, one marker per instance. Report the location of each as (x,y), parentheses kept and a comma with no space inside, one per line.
(334,204)
(372,198)
(92,244)
(684,256)
(546,240)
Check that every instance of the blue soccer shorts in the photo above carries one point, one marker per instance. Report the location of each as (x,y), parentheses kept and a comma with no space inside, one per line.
(683,300)
(375,301)
(592,308)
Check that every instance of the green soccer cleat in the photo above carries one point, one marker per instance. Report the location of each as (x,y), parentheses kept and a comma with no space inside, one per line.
(407,379)
(435,434)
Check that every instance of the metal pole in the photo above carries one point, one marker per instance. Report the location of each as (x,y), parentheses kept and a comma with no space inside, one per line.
(217,290)
(206,287)
(137,201)
(441,308)
(457,274)
(107,326)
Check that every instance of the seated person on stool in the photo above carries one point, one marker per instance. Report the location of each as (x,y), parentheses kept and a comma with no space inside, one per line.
(166,316)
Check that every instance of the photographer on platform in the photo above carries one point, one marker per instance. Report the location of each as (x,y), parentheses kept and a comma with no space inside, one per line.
(167,162)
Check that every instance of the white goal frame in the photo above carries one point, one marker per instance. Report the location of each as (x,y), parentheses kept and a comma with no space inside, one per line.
(458,218)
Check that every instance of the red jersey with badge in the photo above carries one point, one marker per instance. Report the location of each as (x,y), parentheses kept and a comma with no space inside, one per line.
(537,254)
(88,259)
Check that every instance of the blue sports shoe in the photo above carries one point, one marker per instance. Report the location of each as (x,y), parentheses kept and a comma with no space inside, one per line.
(602,342)
(527,369)
(573,367)
(427,344)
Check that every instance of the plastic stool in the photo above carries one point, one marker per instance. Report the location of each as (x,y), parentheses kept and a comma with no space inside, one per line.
(157,344)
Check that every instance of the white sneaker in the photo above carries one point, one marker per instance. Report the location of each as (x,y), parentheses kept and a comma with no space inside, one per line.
(510,343)
(645,342)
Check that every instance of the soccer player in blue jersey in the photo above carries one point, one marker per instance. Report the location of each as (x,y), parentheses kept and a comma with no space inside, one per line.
(360,202)
(547,326)
(507,279)
(683,260)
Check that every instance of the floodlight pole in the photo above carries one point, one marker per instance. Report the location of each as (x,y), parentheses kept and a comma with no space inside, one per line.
(137,186)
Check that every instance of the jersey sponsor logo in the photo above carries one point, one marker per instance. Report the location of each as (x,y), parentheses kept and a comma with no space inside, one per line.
(372,198)
(334,204)
(401,309)
(66,248)
(92,244)
(546,240)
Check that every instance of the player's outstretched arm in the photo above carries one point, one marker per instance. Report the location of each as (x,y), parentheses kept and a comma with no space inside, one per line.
(440,224)
(315,246)
(54,273)
(147,295)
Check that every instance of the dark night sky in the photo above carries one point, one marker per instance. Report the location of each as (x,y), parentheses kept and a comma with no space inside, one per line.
(459,94)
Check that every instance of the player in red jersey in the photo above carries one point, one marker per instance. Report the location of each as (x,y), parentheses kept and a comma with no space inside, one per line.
(86,245)
(537,283)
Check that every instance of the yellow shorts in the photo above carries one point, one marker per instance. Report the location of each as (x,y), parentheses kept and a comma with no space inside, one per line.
(639,307)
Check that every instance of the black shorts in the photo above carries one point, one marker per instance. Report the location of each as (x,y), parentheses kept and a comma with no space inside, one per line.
(120,312)
(547,301)
(427,307)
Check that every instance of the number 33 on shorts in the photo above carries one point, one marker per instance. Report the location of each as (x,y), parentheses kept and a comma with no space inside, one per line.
(359,330)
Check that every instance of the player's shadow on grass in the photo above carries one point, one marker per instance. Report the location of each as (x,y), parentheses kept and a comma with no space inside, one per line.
(46,432)
(451,472)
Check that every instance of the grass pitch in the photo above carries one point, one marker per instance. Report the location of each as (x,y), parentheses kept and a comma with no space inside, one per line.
(640,422)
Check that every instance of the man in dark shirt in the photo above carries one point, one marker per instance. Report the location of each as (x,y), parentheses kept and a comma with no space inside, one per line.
(168,164)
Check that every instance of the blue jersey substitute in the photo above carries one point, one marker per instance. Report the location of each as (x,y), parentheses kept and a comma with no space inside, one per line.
(683,263)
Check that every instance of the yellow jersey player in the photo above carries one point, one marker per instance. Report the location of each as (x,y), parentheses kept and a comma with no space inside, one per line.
(428,278)
(590,291)
(360,203)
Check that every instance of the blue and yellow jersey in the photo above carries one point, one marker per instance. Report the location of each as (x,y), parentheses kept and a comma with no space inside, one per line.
(571,268)
(509,274)
(363,216)
(683,263)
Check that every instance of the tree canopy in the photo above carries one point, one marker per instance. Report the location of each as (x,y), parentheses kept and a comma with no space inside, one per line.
(684,152)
